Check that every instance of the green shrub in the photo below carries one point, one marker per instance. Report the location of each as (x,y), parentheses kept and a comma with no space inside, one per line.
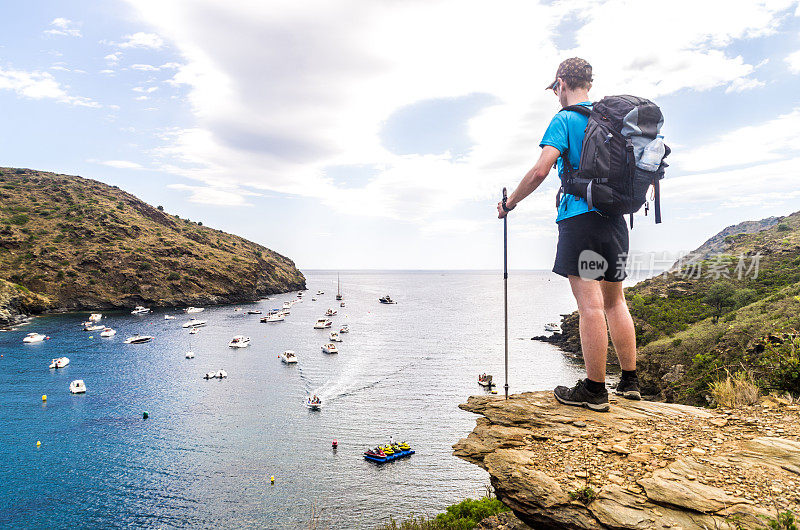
(19,219)
(172,276)
(462,516)
(783,227)
(785,521)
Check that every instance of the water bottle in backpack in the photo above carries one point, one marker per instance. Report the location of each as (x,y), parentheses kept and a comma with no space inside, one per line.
(652,155)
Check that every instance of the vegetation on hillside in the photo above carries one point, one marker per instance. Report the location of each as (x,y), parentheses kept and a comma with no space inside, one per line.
(84,244)
(462,516)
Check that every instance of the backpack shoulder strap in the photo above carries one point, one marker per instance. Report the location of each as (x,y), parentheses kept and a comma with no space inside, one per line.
(580,109)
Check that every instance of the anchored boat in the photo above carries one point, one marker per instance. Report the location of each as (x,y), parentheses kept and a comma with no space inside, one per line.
(485,380)
(389,452)
(61,362)
(289,357)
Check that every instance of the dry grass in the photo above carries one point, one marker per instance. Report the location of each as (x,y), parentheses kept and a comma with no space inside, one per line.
(735,391)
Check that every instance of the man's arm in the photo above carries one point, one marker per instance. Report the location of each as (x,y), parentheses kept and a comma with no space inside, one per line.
(532,179)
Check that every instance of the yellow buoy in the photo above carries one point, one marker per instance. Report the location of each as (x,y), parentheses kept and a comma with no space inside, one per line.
(38,443)
(272,479)
(44,397)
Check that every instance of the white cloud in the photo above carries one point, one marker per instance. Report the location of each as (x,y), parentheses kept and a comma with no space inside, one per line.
(793,60)
(119,164)
(113,58)
(40,85)
(142,40)
(107,72)
(144,67)
(763,142)
(214,195)
(63,27)
(282,91)
(744,83)
(145,90)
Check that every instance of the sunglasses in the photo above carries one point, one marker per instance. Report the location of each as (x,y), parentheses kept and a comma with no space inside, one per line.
(555,86)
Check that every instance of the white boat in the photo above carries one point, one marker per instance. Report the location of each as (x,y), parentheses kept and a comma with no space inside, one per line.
(552,326)
(314,403)
(341,304)
(287,305)
(274,317)
(323,323)
(220,374)
(344,329)
(313,299)
(320,293)
(95,317)
(335,337)
(330,312)
(169,317)
(289,357)
(190,355)
(194,323)
(253,311)
(194,331)
(140,310)
(34,337)
(93,328)
(485,381)
(138,339)
(194,309)
(329,348)
(61,362)
(77,387)
(239,341)
(108,332)
(386,300)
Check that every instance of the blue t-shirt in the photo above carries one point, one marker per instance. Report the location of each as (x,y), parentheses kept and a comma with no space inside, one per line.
(566,130)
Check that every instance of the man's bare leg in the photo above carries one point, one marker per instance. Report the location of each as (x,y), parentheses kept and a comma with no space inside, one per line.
(594,333)
(620,323)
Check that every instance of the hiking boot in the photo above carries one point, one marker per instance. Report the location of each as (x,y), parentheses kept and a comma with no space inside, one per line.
(628,388)
(580,396)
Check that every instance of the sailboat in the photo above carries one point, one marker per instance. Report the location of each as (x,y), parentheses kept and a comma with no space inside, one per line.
(338,288)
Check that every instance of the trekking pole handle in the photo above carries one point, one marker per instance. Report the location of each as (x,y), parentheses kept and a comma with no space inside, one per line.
(505,200)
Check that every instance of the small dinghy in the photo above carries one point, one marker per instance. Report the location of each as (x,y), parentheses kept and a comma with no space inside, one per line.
(61,362)
(289,357)
(108,332)
(77,387)
(219,374)
(138,339)
(329,348)
(239,341)
(194,323)
(330,312)
(485,381)
(93,327)
(95,317)
(344,329)
(335,337)
(253,311)
(323,323)
(169,317)
(552,326)
(314,403)
(194,331)
(386,300)
(190,355)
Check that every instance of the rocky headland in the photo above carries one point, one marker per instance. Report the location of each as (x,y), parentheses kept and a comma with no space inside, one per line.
(68,243)
(643,465)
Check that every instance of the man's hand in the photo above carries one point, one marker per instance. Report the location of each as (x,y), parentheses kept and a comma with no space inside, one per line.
(500,211)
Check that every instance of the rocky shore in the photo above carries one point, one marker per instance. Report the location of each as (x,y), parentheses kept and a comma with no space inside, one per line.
(642,465)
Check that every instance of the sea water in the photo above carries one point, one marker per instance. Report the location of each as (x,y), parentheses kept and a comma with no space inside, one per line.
(205,455)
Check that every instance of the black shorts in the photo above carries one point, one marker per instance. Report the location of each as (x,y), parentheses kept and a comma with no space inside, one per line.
(592,246)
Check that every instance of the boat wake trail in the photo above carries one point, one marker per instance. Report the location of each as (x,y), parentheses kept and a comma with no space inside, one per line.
(347,385)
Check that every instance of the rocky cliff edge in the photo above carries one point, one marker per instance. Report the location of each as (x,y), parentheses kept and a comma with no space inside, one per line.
(642,465)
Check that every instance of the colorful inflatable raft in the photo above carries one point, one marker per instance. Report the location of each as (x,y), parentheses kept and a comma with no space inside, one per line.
(387,453)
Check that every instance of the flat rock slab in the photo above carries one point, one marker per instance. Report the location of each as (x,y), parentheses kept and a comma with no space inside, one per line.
(642,465)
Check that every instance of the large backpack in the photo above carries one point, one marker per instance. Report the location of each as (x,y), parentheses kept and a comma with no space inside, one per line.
(616,134)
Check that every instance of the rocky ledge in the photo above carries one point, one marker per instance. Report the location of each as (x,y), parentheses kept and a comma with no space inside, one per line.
(642,465)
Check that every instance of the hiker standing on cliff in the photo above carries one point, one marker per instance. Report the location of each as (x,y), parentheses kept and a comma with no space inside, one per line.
(583,231)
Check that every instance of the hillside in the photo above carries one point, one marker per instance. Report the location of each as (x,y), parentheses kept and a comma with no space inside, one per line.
(732,305)
(69,243)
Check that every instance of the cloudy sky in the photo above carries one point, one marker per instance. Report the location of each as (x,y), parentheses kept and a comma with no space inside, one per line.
(378,134)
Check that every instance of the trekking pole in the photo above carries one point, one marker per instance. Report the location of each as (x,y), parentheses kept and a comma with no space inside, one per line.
(505,279)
